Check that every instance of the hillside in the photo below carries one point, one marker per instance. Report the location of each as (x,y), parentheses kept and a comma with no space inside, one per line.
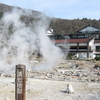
(5,8)
(28,16)
(66,26)
(60,26)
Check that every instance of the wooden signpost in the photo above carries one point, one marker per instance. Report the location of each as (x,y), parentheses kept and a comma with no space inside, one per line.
(20,82)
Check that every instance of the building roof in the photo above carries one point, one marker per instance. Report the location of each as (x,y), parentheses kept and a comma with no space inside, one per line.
(89,29)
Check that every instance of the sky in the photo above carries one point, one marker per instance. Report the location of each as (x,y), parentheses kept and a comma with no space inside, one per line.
(64,9)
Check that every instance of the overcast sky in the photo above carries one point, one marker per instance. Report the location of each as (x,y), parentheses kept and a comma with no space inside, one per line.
(65,9)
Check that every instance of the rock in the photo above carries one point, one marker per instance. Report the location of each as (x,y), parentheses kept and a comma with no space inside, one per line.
(85,74)
(98,73)
(79,74)
(7,75)
(7,98)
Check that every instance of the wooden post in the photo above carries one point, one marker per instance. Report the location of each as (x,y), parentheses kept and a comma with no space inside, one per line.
(88,50)
(77,46)
(20,82)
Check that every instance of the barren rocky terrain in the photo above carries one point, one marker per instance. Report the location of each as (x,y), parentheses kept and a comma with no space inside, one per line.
(51,84)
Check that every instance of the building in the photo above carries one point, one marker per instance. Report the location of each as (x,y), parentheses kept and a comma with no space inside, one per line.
(83,44)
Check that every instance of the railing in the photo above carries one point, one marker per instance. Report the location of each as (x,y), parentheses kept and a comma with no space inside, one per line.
(78,49)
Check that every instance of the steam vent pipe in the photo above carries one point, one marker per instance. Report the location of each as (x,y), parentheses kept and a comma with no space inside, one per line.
(20,82)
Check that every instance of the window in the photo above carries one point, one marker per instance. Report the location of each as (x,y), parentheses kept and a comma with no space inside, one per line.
(82,47)
(97,48)
(86,35)
(97,55)
(74,36)
(73,47)
(97,36)
(81,36)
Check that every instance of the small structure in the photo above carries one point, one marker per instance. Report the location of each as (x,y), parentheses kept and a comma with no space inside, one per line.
(69,89)
(50,32)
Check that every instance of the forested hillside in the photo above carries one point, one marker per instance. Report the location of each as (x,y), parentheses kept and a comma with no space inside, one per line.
(60,26)
(66,26)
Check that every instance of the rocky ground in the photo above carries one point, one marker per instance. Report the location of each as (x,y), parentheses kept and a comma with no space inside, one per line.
(51,84)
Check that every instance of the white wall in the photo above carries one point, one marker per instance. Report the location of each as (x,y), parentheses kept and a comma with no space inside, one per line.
(84,55)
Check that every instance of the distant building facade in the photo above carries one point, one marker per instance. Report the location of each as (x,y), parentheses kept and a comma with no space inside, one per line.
(83,44)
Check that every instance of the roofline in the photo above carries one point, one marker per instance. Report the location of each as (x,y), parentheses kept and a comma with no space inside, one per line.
(87,26)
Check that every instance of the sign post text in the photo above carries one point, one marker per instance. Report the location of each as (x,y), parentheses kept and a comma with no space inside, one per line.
(20,82)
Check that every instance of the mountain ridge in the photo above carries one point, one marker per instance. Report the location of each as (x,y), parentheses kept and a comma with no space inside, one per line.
(59,26)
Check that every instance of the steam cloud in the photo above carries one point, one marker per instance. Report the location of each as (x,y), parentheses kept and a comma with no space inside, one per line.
(20,39)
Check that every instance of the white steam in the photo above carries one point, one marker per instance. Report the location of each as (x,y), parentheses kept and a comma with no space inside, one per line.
(20,39)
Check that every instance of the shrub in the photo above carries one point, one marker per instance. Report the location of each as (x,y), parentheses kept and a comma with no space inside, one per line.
(70,56)
(80,63)
(97,58)
(97,65)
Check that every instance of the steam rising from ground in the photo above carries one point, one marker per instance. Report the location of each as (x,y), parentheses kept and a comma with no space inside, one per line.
(20,39)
